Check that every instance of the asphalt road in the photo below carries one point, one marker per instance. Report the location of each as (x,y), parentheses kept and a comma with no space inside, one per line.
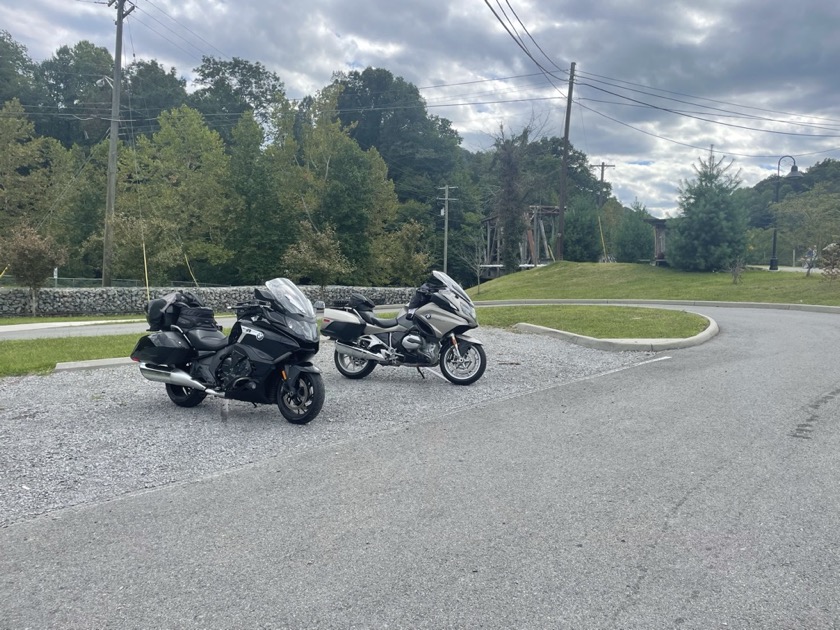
(698,489)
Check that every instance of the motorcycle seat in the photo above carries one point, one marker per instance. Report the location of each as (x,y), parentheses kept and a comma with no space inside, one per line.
(369,317)
(204,339)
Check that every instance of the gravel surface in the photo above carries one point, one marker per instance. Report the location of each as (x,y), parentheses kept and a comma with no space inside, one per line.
(78,437)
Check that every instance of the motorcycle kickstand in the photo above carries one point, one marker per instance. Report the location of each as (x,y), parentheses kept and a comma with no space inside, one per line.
(423,376)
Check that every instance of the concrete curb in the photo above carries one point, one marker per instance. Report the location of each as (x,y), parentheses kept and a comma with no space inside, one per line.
(814,308)
(95,363)
(37,326)
(638,345)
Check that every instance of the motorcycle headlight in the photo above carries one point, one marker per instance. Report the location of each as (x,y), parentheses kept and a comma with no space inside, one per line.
(305,329)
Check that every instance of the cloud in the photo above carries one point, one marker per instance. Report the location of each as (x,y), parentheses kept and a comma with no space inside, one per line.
(658,83)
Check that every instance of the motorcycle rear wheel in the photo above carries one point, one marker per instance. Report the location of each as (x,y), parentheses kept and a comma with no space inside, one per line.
(466,370)
(304,402)
(352,367)
(185,396)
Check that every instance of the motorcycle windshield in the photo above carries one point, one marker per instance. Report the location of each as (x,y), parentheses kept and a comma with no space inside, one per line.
(297,311)
(292,299)
(452,286)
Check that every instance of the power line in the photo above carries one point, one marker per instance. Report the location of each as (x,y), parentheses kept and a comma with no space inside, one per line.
(191,32)
(709,120)
(703,98)
(524,48)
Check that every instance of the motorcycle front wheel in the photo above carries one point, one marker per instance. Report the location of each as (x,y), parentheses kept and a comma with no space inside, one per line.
(304,401)
(465,369)
(351,367)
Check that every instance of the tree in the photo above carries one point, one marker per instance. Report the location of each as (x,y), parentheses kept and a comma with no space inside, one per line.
(31,258)
(78,221)
(260,233)
(77,98)
(20,153)
(509,201)
(387,113)
(16,71)
(634,240)
(470,249)
(543,161)
(150,91)
(316,256)
(340,184)
(711,232)
(612,214)
(403,263)
(582,238)
(36,174)
(830,258)
(230,88)
(176,197)
(811,218)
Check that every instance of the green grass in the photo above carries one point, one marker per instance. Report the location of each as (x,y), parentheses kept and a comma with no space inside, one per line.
(602,322)
(565,280)
(39,356)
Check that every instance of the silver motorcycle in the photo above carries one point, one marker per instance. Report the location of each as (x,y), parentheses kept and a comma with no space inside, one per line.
(432,330)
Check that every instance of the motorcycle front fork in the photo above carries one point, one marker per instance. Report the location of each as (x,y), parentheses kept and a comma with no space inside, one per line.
(455,345)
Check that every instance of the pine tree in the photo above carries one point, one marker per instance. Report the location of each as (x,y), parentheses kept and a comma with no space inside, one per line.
(711,232)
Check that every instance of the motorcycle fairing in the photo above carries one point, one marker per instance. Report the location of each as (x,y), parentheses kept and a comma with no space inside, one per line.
(293,372)
(254,366)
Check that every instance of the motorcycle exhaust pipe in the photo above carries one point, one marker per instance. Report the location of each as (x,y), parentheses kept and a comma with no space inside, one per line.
(174,376)
(357,353)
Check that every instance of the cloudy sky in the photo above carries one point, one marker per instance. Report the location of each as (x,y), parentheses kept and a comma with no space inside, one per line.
(657,82)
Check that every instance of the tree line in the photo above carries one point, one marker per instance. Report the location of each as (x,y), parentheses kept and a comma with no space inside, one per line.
(234,183)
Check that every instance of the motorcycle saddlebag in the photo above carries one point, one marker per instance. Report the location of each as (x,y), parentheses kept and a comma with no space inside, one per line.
(163,348)
(341,325)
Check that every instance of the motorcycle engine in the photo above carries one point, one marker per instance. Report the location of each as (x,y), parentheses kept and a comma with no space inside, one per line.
(412,342)
(416,345)
(233,369)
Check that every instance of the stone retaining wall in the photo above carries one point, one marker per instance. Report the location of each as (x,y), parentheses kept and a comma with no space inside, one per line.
(121,300)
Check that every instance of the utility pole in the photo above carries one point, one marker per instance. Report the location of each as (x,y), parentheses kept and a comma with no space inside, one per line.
(558,245)
(111,193)
(602,166)
(445,212)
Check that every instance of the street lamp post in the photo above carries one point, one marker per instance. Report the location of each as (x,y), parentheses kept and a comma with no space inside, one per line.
(794,172)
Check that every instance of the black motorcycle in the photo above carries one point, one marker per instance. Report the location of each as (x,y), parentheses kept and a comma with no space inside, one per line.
(265,359)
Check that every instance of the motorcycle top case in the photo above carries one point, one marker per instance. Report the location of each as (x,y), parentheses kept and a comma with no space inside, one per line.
(163,348)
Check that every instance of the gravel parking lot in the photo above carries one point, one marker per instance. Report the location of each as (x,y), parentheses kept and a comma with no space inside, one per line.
(78,437)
